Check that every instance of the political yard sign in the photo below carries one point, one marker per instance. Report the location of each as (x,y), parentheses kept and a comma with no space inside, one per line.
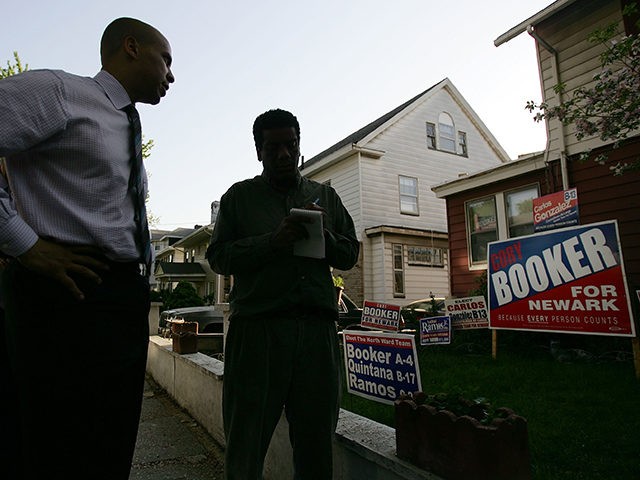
(468,312)
(380,316)
(435,331)
(556,210)
(381,366)
(567,280)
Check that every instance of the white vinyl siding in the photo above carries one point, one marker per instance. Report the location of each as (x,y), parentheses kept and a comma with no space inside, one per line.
(369,187)
(405,152)
(578,59)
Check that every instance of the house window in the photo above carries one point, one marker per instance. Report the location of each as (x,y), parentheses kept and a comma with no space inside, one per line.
(398,270)
(445,137)
(447,131)
(462,144)
(170,258)
(193,255)
(431,135)
(186,256)
(427,256)
(482,228)
(519,204)
(498,217)
(408,195)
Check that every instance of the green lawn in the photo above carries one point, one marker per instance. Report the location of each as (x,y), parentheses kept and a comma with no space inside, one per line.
(583,417)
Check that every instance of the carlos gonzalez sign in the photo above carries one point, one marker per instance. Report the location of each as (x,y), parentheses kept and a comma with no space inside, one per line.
(568,280)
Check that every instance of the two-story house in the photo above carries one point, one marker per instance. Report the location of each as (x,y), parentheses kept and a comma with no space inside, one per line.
(384,172)
(482,206)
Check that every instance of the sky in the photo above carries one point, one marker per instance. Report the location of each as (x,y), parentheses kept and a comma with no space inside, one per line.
(336,64)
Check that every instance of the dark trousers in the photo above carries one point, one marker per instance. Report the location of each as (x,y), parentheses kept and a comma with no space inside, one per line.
(79,371)
(9,432)
(273,362)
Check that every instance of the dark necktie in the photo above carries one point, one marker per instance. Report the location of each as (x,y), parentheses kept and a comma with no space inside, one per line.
(136,186)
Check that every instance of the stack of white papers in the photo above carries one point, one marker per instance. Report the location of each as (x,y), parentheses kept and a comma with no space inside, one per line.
(314,245)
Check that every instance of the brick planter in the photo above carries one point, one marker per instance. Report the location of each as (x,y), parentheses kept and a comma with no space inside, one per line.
(460,447)
(185,337)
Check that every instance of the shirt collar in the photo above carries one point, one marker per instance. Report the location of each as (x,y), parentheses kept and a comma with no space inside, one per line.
(295,187)
(114,89)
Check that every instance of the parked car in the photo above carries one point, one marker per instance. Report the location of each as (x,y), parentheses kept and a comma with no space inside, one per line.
(349,314)
(423,308)
(209,319)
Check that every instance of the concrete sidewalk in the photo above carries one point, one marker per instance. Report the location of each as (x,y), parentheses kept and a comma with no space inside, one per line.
(171,445)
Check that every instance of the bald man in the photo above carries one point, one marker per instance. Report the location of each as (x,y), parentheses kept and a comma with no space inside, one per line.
(76,291)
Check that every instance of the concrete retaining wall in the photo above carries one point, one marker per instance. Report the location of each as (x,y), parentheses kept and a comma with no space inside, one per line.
(363,449)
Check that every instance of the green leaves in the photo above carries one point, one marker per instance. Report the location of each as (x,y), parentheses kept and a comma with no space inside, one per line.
(14,69)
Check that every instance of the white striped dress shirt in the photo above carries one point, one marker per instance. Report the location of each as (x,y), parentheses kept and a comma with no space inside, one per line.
(68,148)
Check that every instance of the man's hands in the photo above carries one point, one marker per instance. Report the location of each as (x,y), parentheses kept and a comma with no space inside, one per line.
(60,261)
(292,229)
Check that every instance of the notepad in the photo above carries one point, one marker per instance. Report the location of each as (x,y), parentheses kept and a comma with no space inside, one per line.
(314,245)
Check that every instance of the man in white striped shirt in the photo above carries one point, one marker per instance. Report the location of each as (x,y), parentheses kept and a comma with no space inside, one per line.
(76,303)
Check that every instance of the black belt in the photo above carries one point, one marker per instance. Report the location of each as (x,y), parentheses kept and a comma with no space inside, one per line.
(304,311)
(127,267)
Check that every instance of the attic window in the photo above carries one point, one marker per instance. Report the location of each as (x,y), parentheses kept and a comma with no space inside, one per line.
(462,144)
(447,132)
(431,135)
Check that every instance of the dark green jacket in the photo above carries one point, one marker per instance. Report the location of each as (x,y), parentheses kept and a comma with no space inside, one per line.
(269,281)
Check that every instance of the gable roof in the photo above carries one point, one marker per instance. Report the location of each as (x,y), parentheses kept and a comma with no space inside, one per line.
(532,21)
(197,236)
(370,130)
(171,268)
(358,135)
(523,164)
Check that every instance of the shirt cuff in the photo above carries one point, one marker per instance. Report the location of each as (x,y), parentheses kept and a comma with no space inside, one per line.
(17,238)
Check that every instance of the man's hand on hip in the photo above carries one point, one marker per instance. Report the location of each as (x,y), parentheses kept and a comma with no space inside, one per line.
(61,261)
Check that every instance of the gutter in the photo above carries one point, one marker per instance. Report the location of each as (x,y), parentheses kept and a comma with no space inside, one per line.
(556,75)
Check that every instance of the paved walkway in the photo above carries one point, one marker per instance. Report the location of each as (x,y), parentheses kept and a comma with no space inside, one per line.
(171,445)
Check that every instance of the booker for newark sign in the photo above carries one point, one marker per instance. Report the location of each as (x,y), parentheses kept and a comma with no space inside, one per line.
(568,280)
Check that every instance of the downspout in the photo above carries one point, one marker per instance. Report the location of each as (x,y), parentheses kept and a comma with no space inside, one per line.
(556,75)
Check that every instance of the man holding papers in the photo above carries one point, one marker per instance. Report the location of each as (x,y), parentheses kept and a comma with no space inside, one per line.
(282,348)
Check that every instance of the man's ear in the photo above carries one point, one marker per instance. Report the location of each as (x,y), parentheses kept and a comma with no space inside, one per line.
(131,46)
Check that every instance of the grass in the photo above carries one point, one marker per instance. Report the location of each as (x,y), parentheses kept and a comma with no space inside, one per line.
(583,416)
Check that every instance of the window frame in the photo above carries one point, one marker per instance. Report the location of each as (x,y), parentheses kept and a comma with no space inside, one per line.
(406,195)
(462,143)
(431,136)
(443,135)
(397,270)
(436,253)
(470,250)
(513,191)
(437,136)
(502,219)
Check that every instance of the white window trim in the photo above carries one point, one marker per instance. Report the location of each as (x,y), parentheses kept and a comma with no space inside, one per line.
(501,221)
(417,196)
(419,263)
(394,270)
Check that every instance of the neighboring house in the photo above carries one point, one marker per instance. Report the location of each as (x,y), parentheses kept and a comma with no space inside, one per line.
(383,174)
(483,206)
(185,260)
(162,241)
(181,256)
